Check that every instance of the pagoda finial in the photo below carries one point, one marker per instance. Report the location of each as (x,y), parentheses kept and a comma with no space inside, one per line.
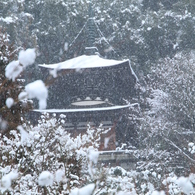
(91,49)
(91,26)
(90,10)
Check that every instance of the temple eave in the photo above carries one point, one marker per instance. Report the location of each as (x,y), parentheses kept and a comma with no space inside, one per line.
(82,109)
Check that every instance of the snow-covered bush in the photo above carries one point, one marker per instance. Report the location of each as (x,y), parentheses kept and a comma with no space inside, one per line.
(105,181)
(179,185)
(45,158)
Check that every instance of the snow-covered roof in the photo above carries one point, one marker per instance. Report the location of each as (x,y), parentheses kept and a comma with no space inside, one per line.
(84,61)
(83,109)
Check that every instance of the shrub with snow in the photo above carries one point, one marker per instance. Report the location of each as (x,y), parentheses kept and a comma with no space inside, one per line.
(46,155)
(86,190)
(45,158)
(177,185)
(45,179)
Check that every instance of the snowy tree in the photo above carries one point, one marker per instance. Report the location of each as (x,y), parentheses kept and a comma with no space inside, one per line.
(175,77)
(168,122)
(11,109)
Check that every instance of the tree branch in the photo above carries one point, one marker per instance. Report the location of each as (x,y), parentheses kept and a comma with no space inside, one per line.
(173,144)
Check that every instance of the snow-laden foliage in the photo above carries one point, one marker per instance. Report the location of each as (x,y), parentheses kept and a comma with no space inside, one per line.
(174,78)
(86,190)
(25,58)
(46,155)
(11,107)
(9,102)
(167,125)
(46,179)
(120,182)
(45,159)
(177,185)
(41,94)
(14,69)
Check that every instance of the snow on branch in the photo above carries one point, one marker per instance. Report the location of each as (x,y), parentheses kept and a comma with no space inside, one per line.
(45,178)
(6,181)
(15,68)
(173,144)
(86,190)
(27,57)
(37,89)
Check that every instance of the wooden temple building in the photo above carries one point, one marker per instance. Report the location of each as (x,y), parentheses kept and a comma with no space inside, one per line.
(90,89)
